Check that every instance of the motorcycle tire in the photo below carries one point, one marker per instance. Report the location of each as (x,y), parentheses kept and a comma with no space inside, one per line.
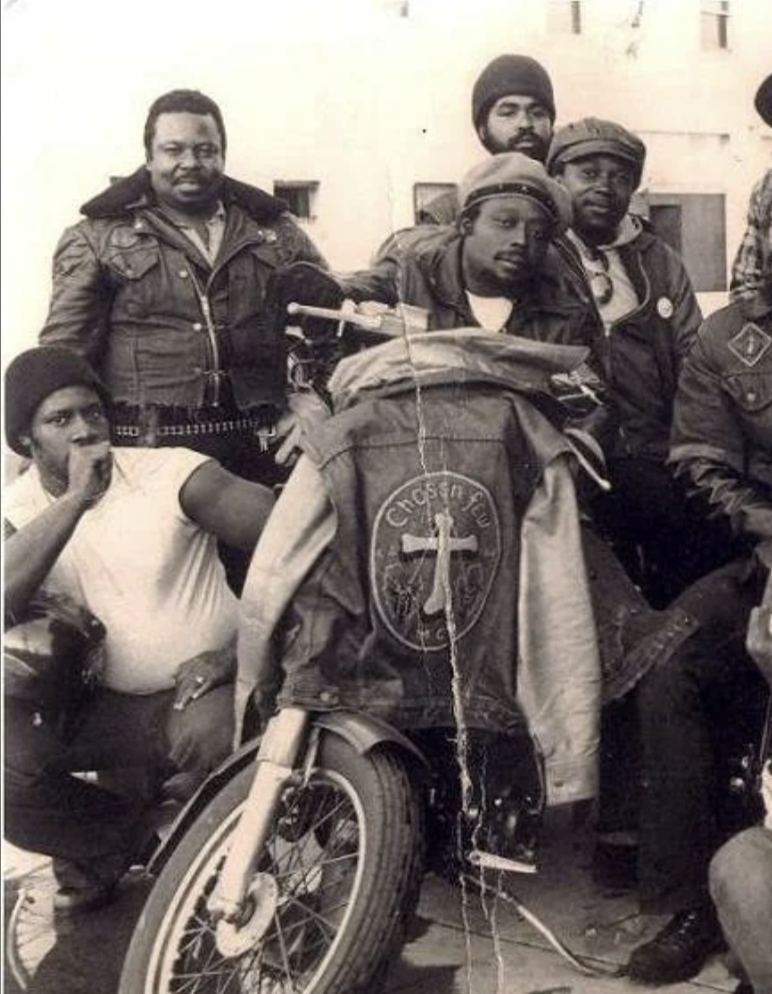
(329,902)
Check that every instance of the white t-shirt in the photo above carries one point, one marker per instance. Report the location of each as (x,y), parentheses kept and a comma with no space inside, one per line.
(492,313)
(148,572)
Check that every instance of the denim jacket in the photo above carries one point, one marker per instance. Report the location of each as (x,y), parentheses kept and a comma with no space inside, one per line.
(431,529)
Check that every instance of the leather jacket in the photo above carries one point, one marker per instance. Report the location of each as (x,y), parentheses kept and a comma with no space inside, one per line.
(722,432)
(162,324)
(422,266)
(642,353)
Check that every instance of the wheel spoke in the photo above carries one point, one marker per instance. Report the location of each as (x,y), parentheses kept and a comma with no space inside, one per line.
(313,857)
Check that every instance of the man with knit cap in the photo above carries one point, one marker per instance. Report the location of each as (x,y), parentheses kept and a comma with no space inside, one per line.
(129,535)
(650,316)
(513,110)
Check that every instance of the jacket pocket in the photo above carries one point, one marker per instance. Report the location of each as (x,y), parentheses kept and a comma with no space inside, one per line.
(751,391)
(134,264)
(140,288)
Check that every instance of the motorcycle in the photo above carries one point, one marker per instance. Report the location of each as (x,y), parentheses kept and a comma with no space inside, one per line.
(421,577)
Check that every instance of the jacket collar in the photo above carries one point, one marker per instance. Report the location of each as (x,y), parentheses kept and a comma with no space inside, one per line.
(441,265)
(460,353)
(134,191)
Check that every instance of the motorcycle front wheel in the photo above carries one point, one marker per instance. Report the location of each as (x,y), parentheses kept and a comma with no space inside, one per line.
(328,902)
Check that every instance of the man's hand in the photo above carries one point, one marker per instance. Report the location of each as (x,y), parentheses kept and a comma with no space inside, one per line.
(202,673)
(306,410)
(759,638)
(89,470)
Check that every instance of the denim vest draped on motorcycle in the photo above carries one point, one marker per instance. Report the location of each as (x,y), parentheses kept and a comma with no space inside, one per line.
(450,586)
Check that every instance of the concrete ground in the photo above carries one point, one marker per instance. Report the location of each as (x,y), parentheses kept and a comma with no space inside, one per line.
(460,944)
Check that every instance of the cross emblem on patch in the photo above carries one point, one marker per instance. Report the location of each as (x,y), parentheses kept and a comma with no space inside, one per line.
(443,546)
(750,344)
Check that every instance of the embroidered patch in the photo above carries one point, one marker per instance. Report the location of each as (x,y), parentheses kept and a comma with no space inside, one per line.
(434,553)
(750,344)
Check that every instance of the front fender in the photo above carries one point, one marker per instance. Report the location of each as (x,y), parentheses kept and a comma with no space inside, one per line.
(362,732)
(216,780)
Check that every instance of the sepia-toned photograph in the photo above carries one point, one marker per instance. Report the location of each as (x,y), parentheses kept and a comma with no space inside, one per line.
(387,497)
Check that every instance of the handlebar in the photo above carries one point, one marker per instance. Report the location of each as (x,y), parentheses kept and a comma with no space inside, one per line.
(392,323)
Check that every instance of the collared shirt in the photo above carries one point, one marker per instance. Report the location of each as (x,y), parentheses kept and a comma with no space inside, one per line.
(214,227)
(756,244)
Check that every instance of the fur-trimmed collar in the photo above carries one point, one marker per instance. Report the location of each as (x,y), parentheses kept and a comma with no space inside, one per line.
(135,191)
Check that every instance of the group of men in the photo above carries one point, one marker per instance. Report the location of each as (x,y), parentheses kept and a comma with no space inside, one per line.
(165,331)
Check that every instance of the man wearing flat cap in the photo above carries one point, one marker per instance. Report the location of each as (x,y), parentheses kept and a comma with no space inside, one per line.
(513,110)
(493,268)
(650,316)
(128,534)
(756,245)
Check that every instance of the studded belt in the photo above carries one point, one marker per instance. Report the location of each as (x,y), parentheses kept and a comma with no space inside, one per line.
(199,428)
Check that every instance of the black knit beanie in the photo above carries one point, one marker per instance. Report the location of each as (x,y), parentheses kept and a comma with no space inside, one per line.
(36,374)
(507,74)
(763,101)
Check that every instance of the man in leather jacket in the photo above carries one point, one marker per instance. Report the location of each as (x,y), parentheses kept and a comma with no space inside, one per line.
(494,267)
(722,449)
(650,318)
(164,287)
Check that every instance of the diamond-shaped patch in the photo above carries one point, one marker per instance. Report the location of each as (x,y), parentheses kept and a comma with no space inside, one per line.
(750,344)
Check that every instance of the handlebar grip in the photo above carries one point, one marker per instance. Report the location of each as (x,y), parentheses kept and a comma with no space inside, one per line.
(366,322)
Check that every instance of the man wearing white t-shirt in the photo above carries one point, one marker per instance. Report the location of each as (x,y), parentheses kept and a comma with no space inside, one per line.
(131,535)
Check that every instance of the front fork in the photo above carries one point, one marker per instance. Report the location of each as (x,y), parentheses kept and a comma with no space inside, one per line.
(277,761)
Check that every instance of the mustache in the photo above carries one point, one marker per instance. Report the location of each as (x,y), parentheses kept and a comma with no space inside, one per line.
(512,255)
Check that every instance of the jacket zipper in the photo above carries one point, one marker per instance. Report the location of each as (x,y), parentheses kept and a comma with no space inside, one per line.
(215,374)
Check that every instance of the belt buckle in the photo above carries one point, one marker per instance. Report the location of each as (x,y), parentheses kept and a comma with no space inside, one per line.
(265,435)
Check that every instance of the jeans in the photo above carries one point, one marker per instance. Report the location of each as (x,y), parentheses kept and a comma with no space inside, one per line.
(741,887)
(693,709)
(50,811)
(647,513)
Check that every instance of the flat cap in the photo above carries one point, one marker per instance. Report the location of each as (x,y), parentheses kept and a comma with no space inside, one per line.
(594,136)
(34,375)
(516,175)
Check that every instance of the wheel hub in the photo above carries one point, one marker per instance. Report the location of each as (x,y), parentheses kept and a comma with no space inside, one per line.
(234,938)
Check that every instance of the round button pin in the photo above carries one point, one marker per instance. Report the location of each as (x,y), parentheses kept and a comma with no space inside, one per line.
(665,307)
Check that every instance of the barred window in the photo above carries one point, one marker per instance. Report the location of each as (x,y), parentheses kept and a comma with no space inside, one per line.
(694,225)
(300,195)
